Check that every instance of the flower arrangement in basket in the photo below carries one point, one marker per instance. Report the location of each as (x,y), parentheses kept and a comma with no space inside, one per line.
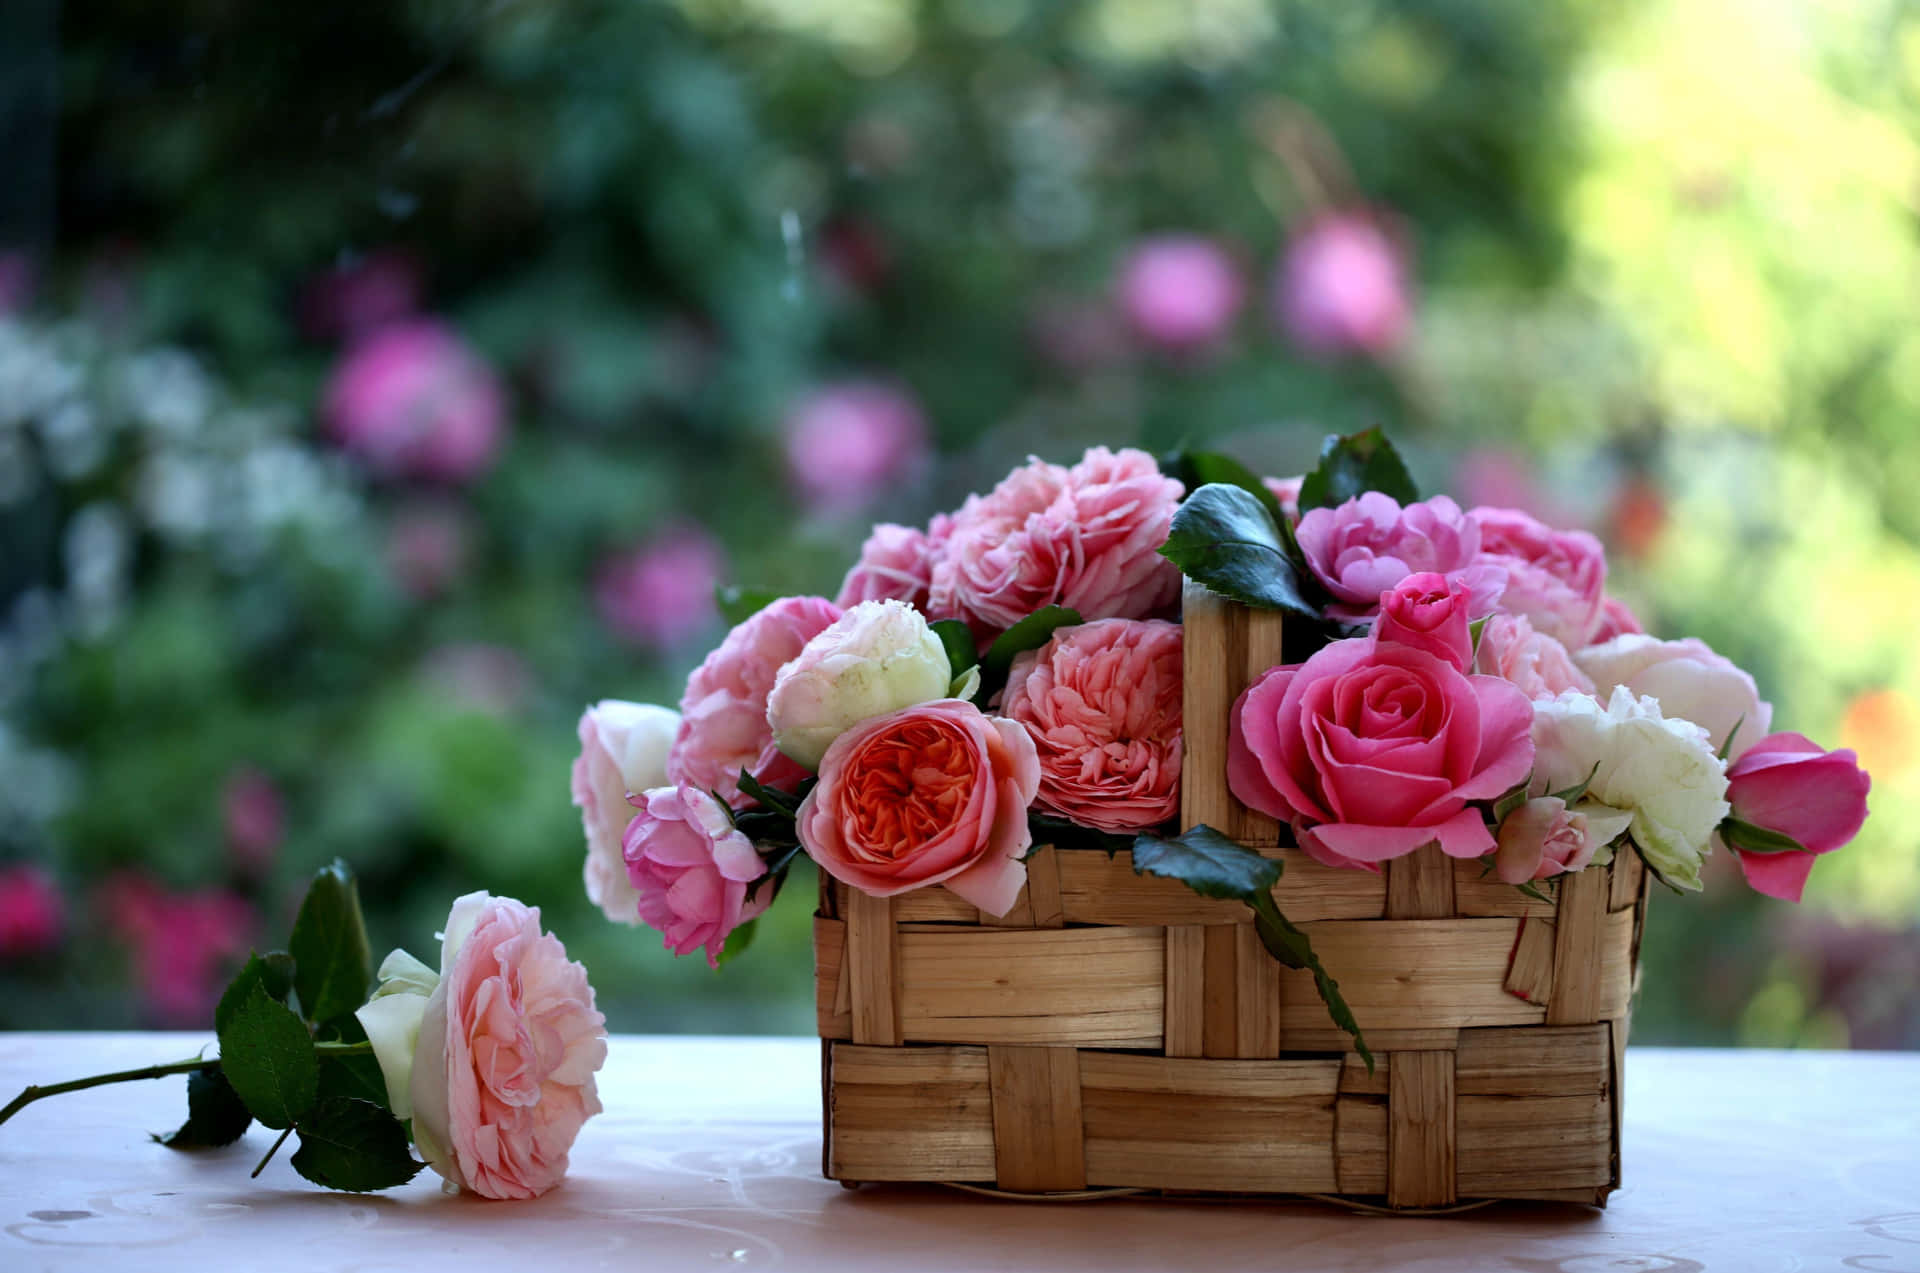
(1411,763)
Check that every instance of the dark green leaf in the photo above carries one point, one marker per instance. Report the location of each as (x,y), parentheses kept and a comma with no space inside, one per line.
(778,863)
(1534,892)
(957,639)
(1654,871)
(1353,465)
(1474,630)
(1749,838)
(737,605)
(1513,799)
(1726,745)
(268,1057)
(778,801)
(738,940)
(333,963)
(1289,944)
(1224,538)
(273,972)
(352,1076)
(1030,633)
(1071,836)
(1195,469)
(354,1145)
(215,1115)
(1206,862)
(1575,794)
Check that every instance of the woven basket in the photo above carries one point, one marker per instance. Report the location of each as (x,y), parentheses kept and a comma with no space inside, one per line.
(1115,1030)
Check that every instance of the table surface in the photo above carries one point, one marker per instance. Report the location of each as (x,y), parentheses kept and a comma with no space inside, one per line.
(708,1158)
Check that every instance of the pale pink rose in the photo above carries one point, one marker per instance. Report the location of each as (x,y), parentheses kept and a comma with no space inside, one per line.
(254,818)
(1343,287)
(896,564)
(413,400)
(426,550)
(1287,491)
(184,945)
(503,1070)
(691,870)
(623,750)
(1556,578)
(659,594)
(1690,681)
(1616,619)
(1087,538)
(723,714)
(1543,838)
(1429,612)
(32,916)
(350,300)
(1372,749)
(1180,292)
(1790,784)
(848,442)
(1366,546)
(1511,650)
(1102,702)
(934,794)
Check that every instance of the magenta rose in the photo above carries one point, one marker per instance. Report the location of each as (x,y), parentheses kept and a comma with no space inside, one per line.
(1429,612)
(1086,537)
(1369,544)
(1372,749)
(848,442)
(660,593)
(1789,784)
(896,564)
(691,869)
(723,714)
(1511,650)
(1180,292)
(1102,702)
(413,400)
(1556,578)
(1343,286)
(933,794)
(32,916)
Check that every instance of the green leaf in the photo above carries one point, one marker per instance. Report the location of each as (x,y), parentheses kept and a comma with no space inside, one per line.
(1225,538)
(738,940)
(1195,469)
(778,801)
(273,972)
(737,605)
(269,1058)
(352,1076)
(957,639)
(1030,633)
(1749,838)
(1207,862)
(1353,465)
(1287,943)
(215,1114)
(777,864)
(1531,891)
(333,963)
(1573,795)
(354,1145)
(1474,630)
(1726,745)
(1513,799)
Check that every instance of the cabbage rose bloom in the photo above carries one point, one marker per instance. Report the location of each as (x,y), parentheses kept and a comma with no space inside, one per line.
(493,1056)
(1511,650)
(1544,838)
(896,564)
(876,658)
(1180,292)
(412,400)
(1790,784)
(1367,545)
(623,750)
(1556,578)
(691,869)
(1102,702)
(1689,680)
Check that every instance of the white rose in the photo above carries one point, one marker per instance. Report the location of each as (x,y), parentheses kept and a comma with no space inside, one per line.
(392,1018)
(1690,681)
(1662,770)
(623,748)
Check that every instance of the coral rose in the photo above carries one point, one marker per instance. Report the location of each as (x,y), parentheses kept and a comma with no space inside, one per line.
(1373,749)
(691,869)
(1790,784)
(723,714)
(1556,578)
(1102,702)
(1511,650)
(934,794)
(896,564)
(1429,612)
(623,749)
(1369,544)
(1690,681)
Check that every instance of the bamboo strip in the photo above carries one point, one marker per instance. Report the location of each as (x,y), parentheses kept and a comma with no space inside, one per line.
(1086,987)
(1043,889)
(1257,643)
(1541,1142)
(870,968)
(1617,1088)
(1355,1080)
(833,1013)
(1409,975)
(1478,892)
(1420,1130)
(910,1114)
(1038,1143)
(1329,1038)
(936,906)
(1579,947)
(1210,664)
(1420,885)
(1220,994)
(1185,1010)
(1533,1061)
(1360,1145)
(1628,878)
(1257,988)
(1530,975)
(1309,891)
(1096,889)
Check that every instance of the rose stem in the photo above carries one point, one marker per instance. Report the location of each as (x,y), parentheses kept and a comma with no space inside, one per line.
(34,1093)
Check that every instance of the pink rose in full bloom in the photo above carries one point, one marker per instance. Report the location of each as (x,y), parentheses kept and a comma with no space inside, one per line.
(934,794)
(896,564)
(1102,702)
(32,917)
(413,400)
(502,1074)
(1087,537)
(848,442)
(1429,612)
(184,945)
(1180,292)
(1557,578)
(1788,783)
(254,818)
(1343,287)
(1287,491)
(1365,546)
(659,594)
(1544,838)
(1616,619)
(691,870)
(723,714)
(1372,749)
(1689,680)
(1511,650)
(623,750)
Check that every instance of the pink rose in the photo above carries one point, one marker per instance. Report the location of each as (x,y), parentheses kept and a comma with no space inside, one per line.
(691,869)
(1102,702)
(1787,783)
(1689,680)
(660,593)
(896,564)
(1543,838)
(848,442)
(509,1042)
(1373,749)
(31,914)
(1511,650)
(412,400)
(1428,612)
(623,750)
(254,818)
(723,714)
(1086,537)
(1557,578)
(1616,619)
(934,794)
(184,945)
(1343,287)
(1180,292)
(1368,544)
(1287,491)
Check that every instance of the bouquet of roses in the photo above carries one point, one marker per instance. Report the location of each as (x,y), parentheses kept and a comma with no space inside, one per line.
(1011,676)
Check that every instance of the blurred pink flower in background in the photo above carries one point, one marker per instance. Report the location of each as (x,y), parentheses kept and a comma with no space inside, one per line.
(254,819)
(660,593)
(849,441)
(1501,479)
(1180,292)
(183,944)
(18,281)
(486,678)
(32,917)
(854,255)
(354,298)
(1077,335)
(427,547)
(1342,288)
(413,400)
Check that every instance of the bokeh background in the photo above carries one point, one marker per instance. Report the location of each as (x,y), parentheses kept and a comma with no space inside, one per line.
(382,381)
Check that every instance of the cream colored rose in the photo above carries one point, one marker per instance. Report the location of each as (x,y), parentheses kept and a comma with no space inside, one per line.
(623,749)
(878,657)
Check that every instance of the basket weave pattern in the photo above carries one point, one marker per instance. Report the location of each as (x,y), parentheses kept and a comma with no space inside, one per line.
(1119,1030)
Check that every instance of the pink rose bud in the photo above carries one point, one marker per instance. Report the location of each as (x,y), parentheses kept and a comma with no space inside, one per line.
(32,917)
(623,751)
(659,594)
(1689,680)
(848,442)
(1428,612)
(1342,288)
(934,794)
(896,564)
(1616,619)
(1102,702)
(1180,292)
(1557,578)
(1287,491)
(412,400)
(1544,838)
(1366,546)
(1789,784)
(1539,665)
(691,870)
(254,817)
